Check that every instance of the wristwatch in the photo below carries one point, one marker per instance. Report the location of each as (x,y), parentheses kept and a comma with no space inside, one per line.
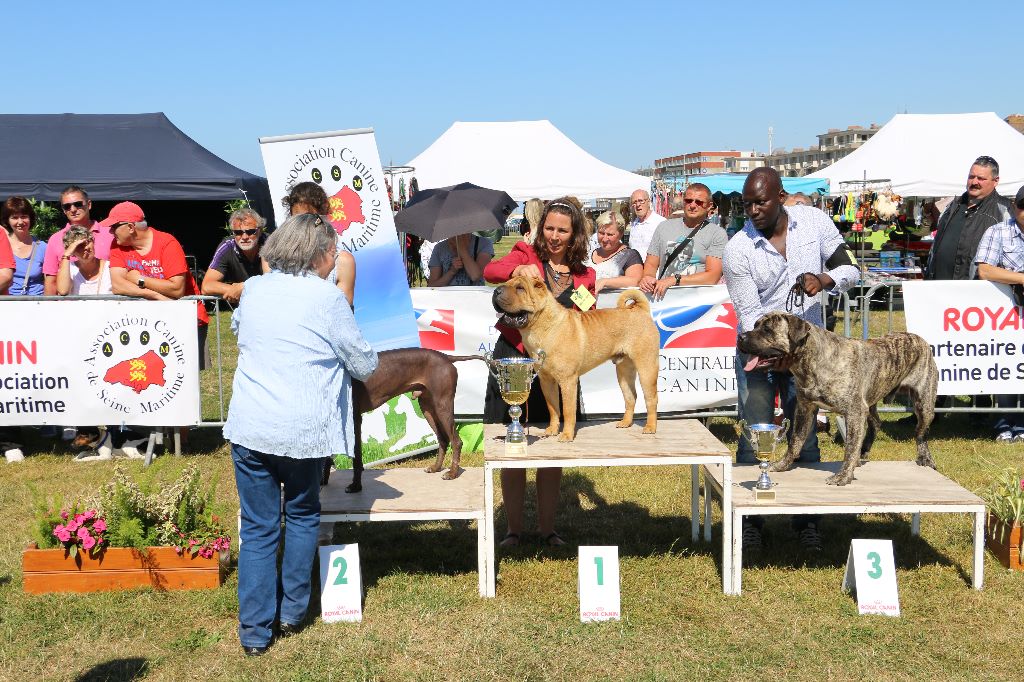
(677,279)
(142,282)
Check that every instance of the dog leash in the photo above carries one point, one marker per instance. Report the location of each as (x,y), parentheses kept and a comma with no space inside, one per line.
(795,297)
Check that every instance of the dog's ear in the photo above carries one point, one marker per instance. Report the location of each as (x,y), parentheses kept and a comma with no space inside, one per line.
(798,332)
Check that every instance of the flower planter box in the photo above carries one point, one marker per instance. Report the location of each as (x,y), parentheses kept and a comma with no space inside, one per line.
(117,568)
(1004,540)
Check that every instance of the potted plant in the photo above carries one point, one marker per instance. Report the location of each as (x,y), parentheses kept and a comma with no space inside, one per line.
(129,536)
(1005,500)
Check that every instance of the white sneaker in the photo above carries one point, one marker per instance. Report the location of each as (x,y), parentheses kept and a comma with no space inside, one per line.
(14,455)
(130,449)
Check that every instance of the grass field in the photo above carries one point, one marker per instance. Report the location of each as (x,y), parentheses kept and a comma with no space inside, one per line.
(423,619)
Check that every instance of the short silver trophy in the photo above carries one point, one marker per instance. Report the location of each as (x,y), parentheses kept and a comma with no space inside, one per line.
(763,438)
(515,377)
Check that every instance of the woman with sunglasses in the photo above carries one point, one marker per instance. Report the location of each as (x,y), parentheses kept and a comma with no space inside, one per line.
(555,257)
(687,250)
(617,266)
(18,217)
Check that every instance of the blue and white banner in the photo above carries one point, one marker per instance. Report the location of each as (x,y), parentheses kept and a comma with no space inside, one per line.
(697,326)
(347,165)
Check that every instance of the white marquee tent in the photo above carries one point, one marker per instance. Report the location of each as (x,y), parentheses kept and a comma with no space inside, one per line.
(929,155)
(524,158)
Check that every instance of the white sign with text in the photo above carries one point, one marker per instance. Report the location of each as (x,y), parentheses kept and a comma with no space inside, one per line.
(341,584)
(599,583)
(871,574)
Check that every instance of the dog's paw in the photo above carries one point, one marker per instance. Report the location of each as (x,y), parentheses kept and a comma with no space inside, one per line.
(433,469)
(926,462)
(650,428)
(552,431)
(566,437)
(353,487)
(623,423)
(451,474)
(781,465)
(839,479)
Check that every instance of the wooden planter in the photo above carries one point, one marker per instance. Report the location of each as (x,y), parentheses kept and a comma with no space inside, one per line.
(1004,540)
(117,568)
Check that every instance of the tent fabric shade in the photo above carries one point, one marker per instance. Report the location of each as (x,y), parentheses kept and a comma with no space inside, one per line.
(732,183)
(527,159)
(929,155)
(116,157)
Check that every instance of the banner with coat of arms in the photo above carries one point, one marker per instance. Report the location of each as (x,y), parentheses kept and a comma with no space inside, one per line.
(346,164)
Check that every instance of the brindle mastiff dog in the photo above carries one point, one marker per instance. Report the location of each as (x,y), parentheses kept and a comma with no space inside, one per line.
(576,342)
(848,377)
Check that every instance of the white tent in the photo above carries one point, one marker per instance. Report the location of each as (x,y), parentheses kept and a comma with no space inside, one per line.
(929,155)
(524,158)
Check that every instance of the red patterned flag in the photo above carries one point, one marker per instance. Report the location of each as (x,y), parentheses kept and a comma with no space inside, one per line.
(139,373)
(344,208)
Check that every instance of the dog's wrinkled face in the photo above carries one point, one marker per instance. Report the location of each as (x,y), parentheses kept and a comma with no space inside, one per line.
(774,336)
(518,299)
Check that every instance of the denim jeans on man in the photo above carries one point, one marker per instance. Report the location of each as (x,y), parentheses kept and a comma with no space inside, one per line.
(264,594)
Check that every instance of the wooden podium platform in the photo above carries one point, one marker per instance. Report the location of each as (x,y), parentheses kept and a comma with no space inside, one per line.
(879,488)
(411,495)
(678,441)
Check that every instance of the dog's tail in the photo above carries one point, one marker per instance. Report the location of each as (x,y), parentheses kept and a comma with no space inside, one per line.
(460,358)
(638,299)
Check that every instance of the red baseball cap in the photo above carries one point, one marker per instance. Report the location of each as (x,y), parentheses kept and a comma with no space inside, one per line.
(125,212)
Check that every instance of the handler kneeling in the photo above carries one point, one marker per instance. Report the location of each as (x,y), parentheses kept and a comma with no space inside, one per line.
(298,349)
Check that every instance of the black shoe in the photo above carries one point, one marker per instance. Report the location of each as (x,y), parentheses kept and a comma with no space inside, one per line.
(253,651)
(751,537)
(288,629)
(810,538)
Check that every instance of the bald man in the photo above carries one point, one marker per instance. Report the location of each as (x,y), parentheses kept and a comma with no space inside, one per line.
(641,230)
(777,245)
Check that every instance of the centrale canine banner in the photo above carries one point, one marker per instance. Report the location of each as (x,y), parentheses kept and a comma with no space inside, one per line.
(99,362)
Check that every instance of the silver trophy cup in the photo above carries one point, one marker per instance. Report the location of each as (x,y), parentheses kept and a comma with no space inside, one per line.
(763,438)
(515,377)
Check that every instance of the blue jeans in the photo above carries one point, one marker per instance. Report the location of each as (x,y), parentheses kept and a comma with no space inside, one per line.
(264,594)
(757,390)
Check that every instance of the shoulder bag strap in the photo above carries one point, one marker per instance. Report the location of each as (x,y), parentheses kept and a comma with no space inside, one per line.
(679,248)
(28,270)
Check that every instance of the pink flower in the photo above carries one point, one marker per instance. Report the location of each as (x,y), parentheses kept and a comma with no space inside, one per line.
(1022,484)
(80,518)
(89,514)
(83,533)
(99,525)
(62,533)
(88,542)
(64,514)
(73,525)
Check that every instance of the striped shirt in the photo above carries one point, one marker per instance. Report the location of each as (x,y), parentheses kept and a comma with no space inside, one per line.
(298,350)
(759,278)
(1002,245)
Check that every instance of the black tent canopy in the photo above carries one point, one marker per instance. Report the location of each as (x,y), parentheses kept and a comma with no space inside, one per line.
(117,157)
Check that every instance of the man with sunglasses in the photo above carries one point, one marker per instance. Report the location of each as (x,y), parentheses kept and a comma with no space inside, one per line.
(965,220)
(237,258)
(685,250)
(74,201)
(641,230)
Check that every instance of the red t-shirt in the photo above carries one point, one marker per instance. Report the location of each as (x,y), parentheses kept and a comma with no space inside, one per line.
(165,259)
(6,252)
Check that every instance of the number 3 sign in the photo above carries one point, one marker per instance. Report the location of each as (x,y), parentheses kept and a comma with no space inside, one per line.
(871,573)
(341,584)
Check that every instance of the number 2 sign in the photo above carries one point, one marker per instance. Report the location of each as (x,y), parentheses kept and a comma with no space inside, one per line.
(599,583)
(341,584)
(871,573)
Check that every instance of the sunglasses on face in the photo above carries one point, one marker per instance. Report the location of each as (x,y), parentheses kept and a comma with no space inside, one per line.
(699,202)
(247,233)
(73,204)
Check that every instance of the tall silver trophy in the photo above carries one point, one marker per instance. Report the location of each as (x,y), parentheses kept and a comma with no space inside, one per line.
(515,377)
(763,438)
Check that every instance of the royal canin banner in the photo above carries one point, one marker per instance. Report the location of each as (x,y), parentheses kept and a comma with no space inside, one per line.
(697,327)
(974,330)
(84,363)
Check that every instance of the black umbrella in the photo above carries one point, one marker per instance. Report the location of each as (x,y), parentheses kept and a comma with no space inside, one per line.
(437,214)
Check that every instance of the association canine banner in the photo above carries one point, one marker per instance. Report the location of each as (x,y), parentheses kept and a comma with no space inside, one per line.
(78,363)
(696,325)
(974,330)
(347,166)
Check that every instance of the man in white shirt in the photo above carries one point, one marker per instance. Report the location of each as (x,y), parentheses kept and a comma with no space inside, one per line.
(641,230)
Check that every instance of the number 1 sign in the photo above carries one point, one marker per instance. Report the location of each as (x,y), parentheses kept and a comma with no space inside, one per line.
(871,573)
(599,583)
(341,584)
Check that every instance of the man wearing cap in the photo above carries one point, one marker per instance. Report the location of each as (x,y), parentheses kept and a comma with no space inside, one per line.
(641,230)
(1000,258)
(964,221)
(76,206)
(237,258)
(148,263)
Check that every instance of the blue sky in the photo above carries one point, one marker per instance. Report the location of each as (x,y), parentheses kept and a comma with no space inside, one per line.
(629,82)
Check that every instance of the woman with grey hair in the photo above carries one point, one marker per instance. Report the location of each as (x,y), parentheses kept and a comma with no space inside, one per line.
(88,275)
(617,266)
(298,350)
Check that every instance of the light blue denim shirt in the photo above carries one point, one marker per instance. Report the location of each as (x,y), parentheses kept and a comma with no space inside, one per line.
(298,349)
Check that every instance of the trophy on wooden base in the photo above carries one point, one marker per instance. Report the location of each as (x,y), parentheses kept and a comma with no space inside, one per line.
(515,377)
(763,438)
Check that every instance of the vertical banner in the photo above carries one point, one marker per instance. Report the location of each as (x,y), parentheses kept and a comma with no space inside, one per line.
(347,166)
